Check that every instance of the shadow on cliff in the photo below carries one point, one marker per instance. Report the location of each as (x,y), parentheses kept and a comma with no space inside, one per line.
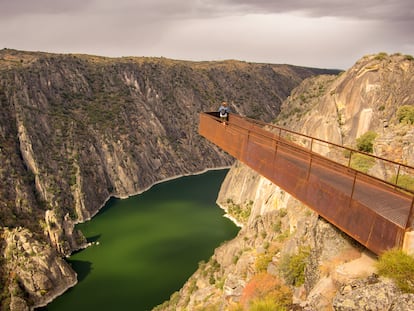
(82,268)
(111,202)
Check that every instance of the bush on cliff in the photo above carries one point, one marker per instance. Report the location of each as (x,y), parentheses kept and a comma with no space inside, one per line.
(405,114)
(365,142)
(292,267)
(399,266)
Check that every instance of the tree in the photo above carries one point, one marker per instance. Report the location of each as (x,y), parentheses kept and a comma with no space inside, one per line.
(365,142)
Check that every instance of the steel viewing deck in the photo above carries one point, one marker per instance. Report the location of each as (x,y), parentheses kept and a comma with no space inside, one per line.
(373,211)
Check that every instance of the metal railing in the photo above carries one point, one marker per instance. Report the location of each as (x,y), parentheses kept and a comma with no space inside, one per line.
(340,154)
(374,169)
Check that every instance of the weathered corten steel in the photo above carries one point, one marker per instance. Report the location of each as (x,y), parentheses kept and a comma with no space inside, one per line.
(370,210)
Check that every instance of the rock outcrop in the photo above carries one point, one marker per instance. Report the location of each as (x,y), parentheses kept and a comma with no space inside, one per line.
(77,129)
(372,294)
(323,267)
(36,270)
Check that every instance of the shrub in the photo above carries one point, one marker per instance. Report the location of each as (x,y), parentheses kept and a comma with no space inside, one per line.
(266,304)
(277,226)
(405,114)
(292,267)
(282,212)
(365,142)
(404,181)
(409,57)
(239,212)
(220,283)
(399,266)
(283,236)
(262,261)
(362,162)
(381,56)
(264,287)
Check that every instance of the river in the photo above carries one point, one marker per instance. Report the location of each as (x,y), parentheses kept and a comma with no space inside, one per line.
(147,246)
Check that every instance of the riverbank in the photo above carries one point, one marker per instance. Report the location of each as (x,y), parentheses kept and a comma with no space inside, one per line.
(149,187)
(175,210)
(85,246)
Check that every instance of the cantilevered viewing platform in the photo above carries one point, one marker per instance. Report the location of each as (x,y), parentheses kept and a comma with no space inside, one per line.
(371,209)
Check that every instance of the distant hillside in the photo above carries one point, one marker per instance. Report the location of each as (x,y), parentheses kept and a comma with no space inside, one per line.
(77,129)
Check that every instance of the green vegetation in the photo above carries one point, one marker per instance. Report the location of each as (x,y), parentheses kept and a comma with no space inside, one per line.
(282,212)
(277,226)
(210,270)
(292,267)
(381,56)
(405,114)
(283,236)
(267,304)
(262,261)
(365,142)
(399,266)
(239,212)
(404,181)
(362,162)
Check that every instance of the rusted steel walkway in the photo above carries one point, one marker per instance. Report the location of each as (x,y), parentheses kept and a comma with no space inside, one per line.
(373,211)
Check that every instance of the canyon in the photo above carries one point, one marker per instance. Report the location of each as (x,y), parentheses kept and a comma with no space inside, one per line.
(76,130)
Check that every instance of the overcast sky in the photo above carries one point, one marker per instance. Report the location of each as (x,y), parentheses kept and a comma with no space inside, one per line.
(316,33)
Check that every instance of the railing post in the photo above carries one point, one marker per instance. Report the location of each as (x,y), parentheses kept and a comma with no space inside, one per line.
(274,154)
(276,147)
(349,161)
(310,161)
(398,174)
(247,143)
(310,167)
(410,215)
(353,189)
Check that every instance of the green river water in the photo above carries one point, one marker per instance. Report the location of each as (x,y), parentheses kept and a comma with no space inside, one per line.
(147,245)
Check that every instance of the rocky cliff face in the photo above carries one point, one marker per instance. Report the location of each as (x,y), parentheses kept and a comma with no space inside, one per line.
(36,271)
(76,129)
(284,242)
(364,98)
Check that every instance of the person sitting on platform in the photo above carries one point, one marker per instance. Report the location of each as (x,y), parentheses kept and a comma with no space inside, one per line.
(224,112)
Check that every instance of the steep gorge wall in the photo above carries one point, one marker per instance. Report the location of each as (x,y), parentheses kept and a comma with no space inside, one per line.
(76,129)
(364,98)
(339,272)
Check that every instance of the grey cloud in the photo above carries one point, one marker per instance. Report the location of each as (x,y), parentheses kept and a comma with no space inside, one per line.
(400,10)
(210,29)
(143,9)
(394,18)
(367,9)
(11,8)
